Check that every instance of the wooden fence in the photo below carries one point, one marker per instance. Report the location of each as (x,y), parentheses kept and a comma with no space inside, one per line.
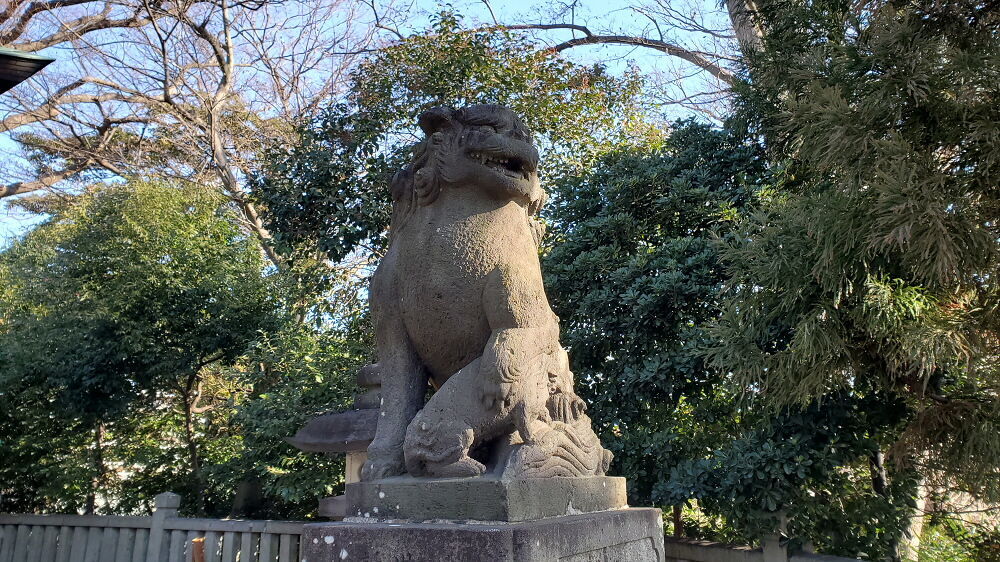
(164,537)
(688,550)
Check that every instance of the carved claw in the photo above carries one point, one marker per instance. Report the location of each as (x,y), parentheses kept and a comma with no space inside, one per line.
(382,465)
(566,408)
(464,467)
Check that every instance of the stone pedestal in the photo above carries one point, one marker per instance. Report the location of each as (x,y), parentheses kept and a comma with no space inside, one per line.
(484,498)
(623,535)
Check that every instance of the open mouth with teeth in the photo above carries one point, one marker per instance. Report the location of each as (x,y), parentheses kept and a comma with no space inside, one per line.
(510,166)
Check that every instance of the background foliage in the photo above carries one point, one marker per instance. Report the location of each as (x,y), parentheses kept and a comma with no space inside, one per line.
(787,324)
(634,274)
(153,356)
(330,191)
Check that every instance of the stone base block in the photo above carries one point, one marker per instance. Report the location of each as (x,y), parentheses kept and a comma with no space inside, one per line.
(333,507)
(483,498)
(625,535)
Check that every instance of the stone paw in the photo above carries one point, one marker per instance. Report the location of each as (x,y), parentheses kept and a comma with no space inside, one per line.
(462,468)
(381,467)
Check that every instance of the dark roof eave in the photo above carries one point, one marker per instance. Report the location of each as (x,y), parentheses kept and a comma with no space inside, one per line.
(17,66)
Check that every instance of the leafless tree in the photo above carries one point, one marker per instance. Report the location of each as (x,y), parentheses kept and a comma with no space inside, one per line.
(700,41)
(194,88)
(189,89)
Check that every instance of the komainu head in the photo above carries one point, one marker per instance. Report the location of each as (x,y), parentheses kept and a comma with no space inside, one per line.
(486,148)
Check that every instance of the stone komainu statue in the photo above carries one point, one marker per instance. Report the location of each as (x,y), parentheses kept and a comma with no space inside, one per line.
(458,302)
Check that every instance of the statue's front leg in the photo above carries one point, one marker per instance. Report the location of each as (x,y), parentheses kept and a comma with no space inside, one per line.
(404,385)
(502,391)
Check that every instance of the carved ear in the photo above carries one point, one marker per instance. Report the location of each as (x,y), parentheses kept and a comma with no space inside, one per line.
(401,183)
(436,119)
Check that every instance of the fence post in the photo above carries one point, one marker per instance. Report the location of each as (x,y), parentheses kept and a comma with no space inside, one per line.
(165,505)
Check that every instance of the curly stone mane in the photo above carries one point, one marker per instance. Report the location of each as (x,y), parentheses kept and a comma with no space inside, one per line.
(419,183)
(447,131)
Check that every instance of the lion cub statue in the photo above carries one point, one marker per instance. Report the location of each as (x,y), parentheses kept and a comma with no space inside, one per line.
(458,303)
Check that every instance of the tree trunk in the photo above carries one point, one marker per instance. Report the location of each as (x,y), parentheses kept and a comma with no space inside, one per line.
(678,522)
(100,470)
(249,499)
(745,20)
(880,483)
(911,542)
(880,479)
(197,479)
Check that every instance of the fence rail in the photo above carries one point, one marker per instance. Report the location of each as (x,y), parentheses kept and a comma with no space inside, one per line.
(164,537)
(689,550)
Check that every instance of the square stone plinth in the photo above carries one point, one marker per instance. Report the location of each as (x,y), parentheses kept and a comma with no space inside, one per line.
(483,498)
(625,535)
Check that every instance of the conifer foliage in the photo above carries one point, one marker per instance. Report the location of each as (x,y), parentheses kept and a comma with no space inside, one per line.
(875,269)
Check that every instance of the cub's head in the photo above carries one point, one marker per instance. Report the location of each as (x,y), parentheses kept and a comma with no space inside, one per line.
(482,147)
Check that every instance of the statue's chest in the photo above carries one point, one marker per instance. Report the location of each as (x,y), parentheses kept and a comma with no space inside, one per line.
(444,264)
(444,249)
(447,269)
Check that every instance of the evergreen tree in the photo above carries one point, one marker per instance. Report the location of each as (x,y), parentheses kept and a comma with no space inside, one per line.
(634,275)
(148,348)
(871,269)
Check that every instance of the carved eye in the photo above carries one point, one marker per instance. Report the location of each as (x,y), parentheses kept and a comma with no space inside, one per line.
(488,128)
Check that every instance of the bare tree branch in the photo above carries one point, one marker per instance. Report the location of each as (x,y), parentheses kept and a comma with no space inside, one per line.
(76,29)
(696,58)
(699,59)
(187,89)
(51,109)
(21,23)
(43,182)
(489,8)
(380,23)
